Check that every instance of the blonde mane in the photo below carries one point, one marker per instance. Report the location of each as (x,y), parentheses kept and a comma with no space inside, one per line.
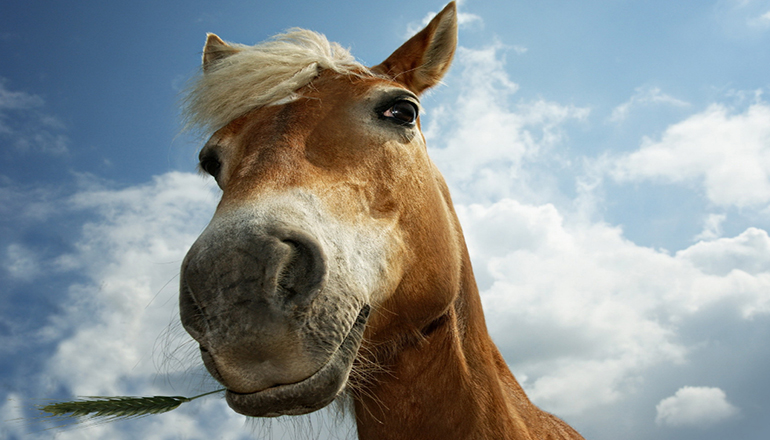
(263,74)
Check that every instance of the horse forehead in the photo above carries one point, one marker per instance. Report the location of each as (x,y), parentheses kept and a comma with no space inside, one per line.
(295,114)
(336,90)
(329,122)
(332,106)
(350,84)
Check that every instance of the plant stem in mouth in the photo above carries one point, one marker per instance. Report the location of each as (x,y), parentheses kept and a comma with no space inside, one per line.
(118,406)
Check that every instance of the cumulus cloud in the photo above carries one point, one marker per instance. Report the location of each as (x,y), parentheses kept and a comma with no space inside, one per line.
(583,313)
(749,252)
(698,407)
(480,141)
(727,153)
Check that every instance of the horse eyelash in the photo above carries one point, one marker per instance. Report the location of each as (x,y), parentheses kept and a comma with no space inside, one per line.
(210,165)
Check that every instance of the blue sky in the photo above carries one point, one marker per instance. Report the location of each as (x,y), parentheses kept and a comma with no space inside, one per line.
(609,160)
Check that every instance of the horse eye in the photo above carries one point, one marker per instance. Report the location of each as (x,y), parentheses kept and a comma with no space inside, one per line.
(403,112)
(211,165)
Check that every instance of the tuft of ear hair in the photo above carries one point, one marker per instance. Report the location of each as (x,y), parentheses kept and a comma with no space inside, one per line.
(422,61)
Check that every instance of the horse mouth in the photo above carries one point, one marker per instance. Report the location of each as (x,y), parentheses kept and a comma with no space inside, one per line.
(310,394)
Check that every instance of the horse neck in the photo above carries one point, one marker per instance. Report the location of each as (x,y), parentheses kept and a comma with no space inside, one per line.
(452,384)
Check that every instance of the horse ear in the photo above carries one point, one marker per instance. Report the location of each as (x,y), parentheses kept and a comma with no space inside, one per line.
(422,61)
(216,49)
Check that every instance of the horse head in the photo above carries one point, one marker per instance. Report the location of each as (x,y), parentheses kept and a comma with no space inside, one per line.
(334,229)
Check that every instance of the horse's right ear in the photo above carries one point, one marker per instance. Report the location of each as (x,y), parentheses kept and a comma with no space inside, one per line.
(422,61)
(216,49)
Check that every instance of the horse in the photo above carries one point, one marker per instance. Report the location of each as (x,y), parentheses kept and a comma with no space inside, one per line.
(335,264)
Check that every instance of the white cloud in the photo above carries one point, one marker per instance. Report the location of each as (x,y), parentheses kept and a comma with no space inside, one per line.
(762,21)
(749,252)
(712,227)
(26,127)
(583,313)
(739,16)
(20,262)
(17,100)
(464,20)
(729,154)
(131,256)
(698,407)
(27,204)
(480,141)
(519,49)
(644,96)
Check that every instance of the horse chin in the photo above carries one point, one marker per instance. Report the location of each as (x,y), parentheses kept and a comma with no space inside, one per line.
(310,394)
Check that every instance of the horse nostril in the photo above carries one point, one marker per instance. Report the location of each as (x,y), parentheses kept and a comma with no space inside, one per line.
(190,313)
(290,274)
(253,284)
(301,276)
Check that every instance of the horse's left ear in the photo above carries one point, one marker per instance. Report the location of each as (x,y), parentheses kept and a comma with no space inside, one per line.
(216,50)
(422,61)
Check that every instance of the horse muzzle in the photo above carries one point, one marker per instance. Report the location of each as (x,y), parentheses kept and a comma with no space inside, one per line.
(254,296)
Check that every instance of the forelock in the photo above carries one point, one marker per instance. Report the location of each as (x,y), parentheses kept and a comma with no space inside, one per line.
(260,75)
